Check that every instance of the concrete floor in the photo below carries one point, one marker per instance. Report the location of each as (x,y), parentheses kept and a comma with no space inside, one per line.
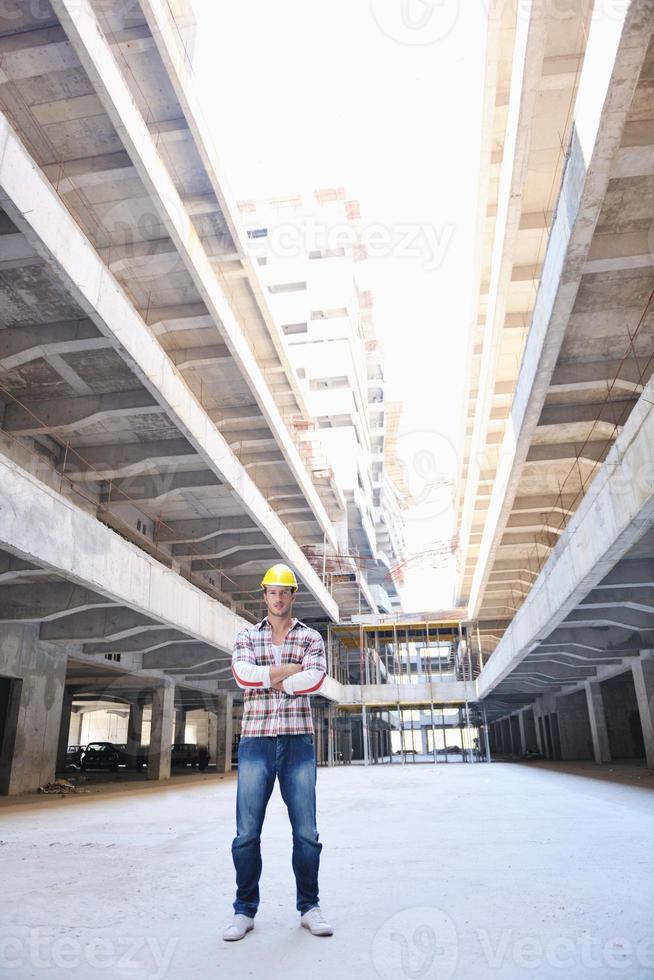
(508,870)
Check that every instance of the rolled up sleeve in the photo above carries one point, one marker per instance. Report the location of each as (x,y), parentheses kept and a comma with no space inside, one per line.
(248,674)
(309,680)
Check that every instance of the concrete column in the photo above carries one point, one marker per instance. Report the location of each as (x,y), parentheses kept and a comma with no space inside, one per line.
(511,745)
(134,729)
(161,730)
(574,726)
(64,728)
(220,734)
(180,726)
(75,728)
(530,729)
(37,675)
(643,672)
(425,740)
(537,730)
(523,734)
(597,718)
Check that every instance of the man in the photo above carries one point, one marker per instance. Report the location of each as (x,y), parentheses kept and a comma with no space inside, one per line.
(279,663)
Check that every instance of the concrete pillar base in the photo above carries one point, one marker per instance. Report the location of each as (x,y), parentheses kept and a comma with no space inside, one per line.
(64,728)
(643,673)
(35,675)
(220,734)
(597,718)
(134,728)
(161,730)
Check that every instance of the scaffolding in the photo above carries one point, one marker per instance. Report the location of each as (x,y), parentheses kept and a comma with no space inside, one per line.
(415,658)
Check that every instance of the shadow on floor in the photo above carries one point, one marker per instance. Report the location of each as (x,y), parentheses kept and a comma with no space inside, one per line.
(629,772)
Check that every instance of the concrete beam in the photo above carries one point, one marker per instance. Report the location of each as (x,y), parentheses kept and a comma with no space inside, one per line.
(614,56)
(37,524)
(184,658)
(596,641)
(120,257)
(615,412)
(81,25)
(607,597)
(71,175)
(527,70)
(49,601)
(13,569)
(227,418)
(17,253)
(169,131)
(181,316)
(552,670)
(172,52)
(204,529)
(158,488)
(35,208)
(28,54)
(589,452)
(542,503)
(140,642)
(619,375)
(124,460)
(221,545)
(251,461)
(571,659)
(264,556)
(195,357)
(202,204)
(614,514)
(109,625)
(62,415)
(632,573)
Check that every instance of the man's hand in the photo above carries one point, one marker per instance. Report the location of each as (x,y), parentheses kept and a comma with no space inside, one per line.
(280,672)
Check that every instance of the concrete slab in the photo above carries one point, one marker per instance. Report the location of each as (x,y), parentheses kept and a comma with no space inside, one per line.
(85,551)
(26,194)
(495,873)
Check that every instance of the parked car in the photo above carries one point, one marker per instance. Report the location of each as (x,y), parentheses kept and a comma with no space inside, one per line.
(124,758)
(187,754)
(99,755)
(73,756)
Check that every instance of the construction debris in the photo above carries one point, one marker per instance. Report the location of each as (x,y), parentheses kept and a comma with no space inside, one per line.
(63,787)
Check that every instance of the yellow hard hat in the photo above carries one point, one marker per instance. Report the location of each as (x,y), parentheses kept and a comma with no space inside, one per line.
(280,575)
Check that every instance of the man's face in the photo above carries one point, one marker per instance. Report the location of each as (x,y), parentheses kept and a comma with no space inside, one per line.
(278,600)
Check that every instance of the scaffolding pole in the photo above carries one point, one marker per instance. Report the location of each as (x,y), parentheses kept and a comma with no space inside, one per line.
(330,735)
(469,730)
(486,737)
(433,733)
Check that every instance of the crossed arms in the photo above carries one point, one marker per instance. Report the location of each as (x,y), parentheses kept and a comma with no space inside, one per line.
(293,679)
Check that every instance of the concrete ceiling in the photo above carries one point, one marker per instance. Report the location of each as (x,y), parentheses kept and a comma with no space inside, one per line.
(69,393)
(611,623)
(593,370)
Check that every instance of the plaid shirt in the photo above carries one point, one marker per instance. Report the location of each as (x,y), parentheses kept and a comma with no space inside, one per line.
(267,711)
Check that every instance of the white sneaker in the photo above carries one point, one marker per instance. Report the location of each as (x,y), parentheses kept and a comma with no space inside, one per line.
(313,921)
(240,925)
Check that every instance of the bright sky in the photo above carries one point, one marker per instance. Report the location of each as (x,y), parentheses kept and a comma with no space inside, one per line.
(384,98)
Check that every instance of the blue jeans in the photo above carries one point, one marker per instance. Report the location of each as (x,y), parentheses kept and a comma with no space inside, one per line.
(292,759)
